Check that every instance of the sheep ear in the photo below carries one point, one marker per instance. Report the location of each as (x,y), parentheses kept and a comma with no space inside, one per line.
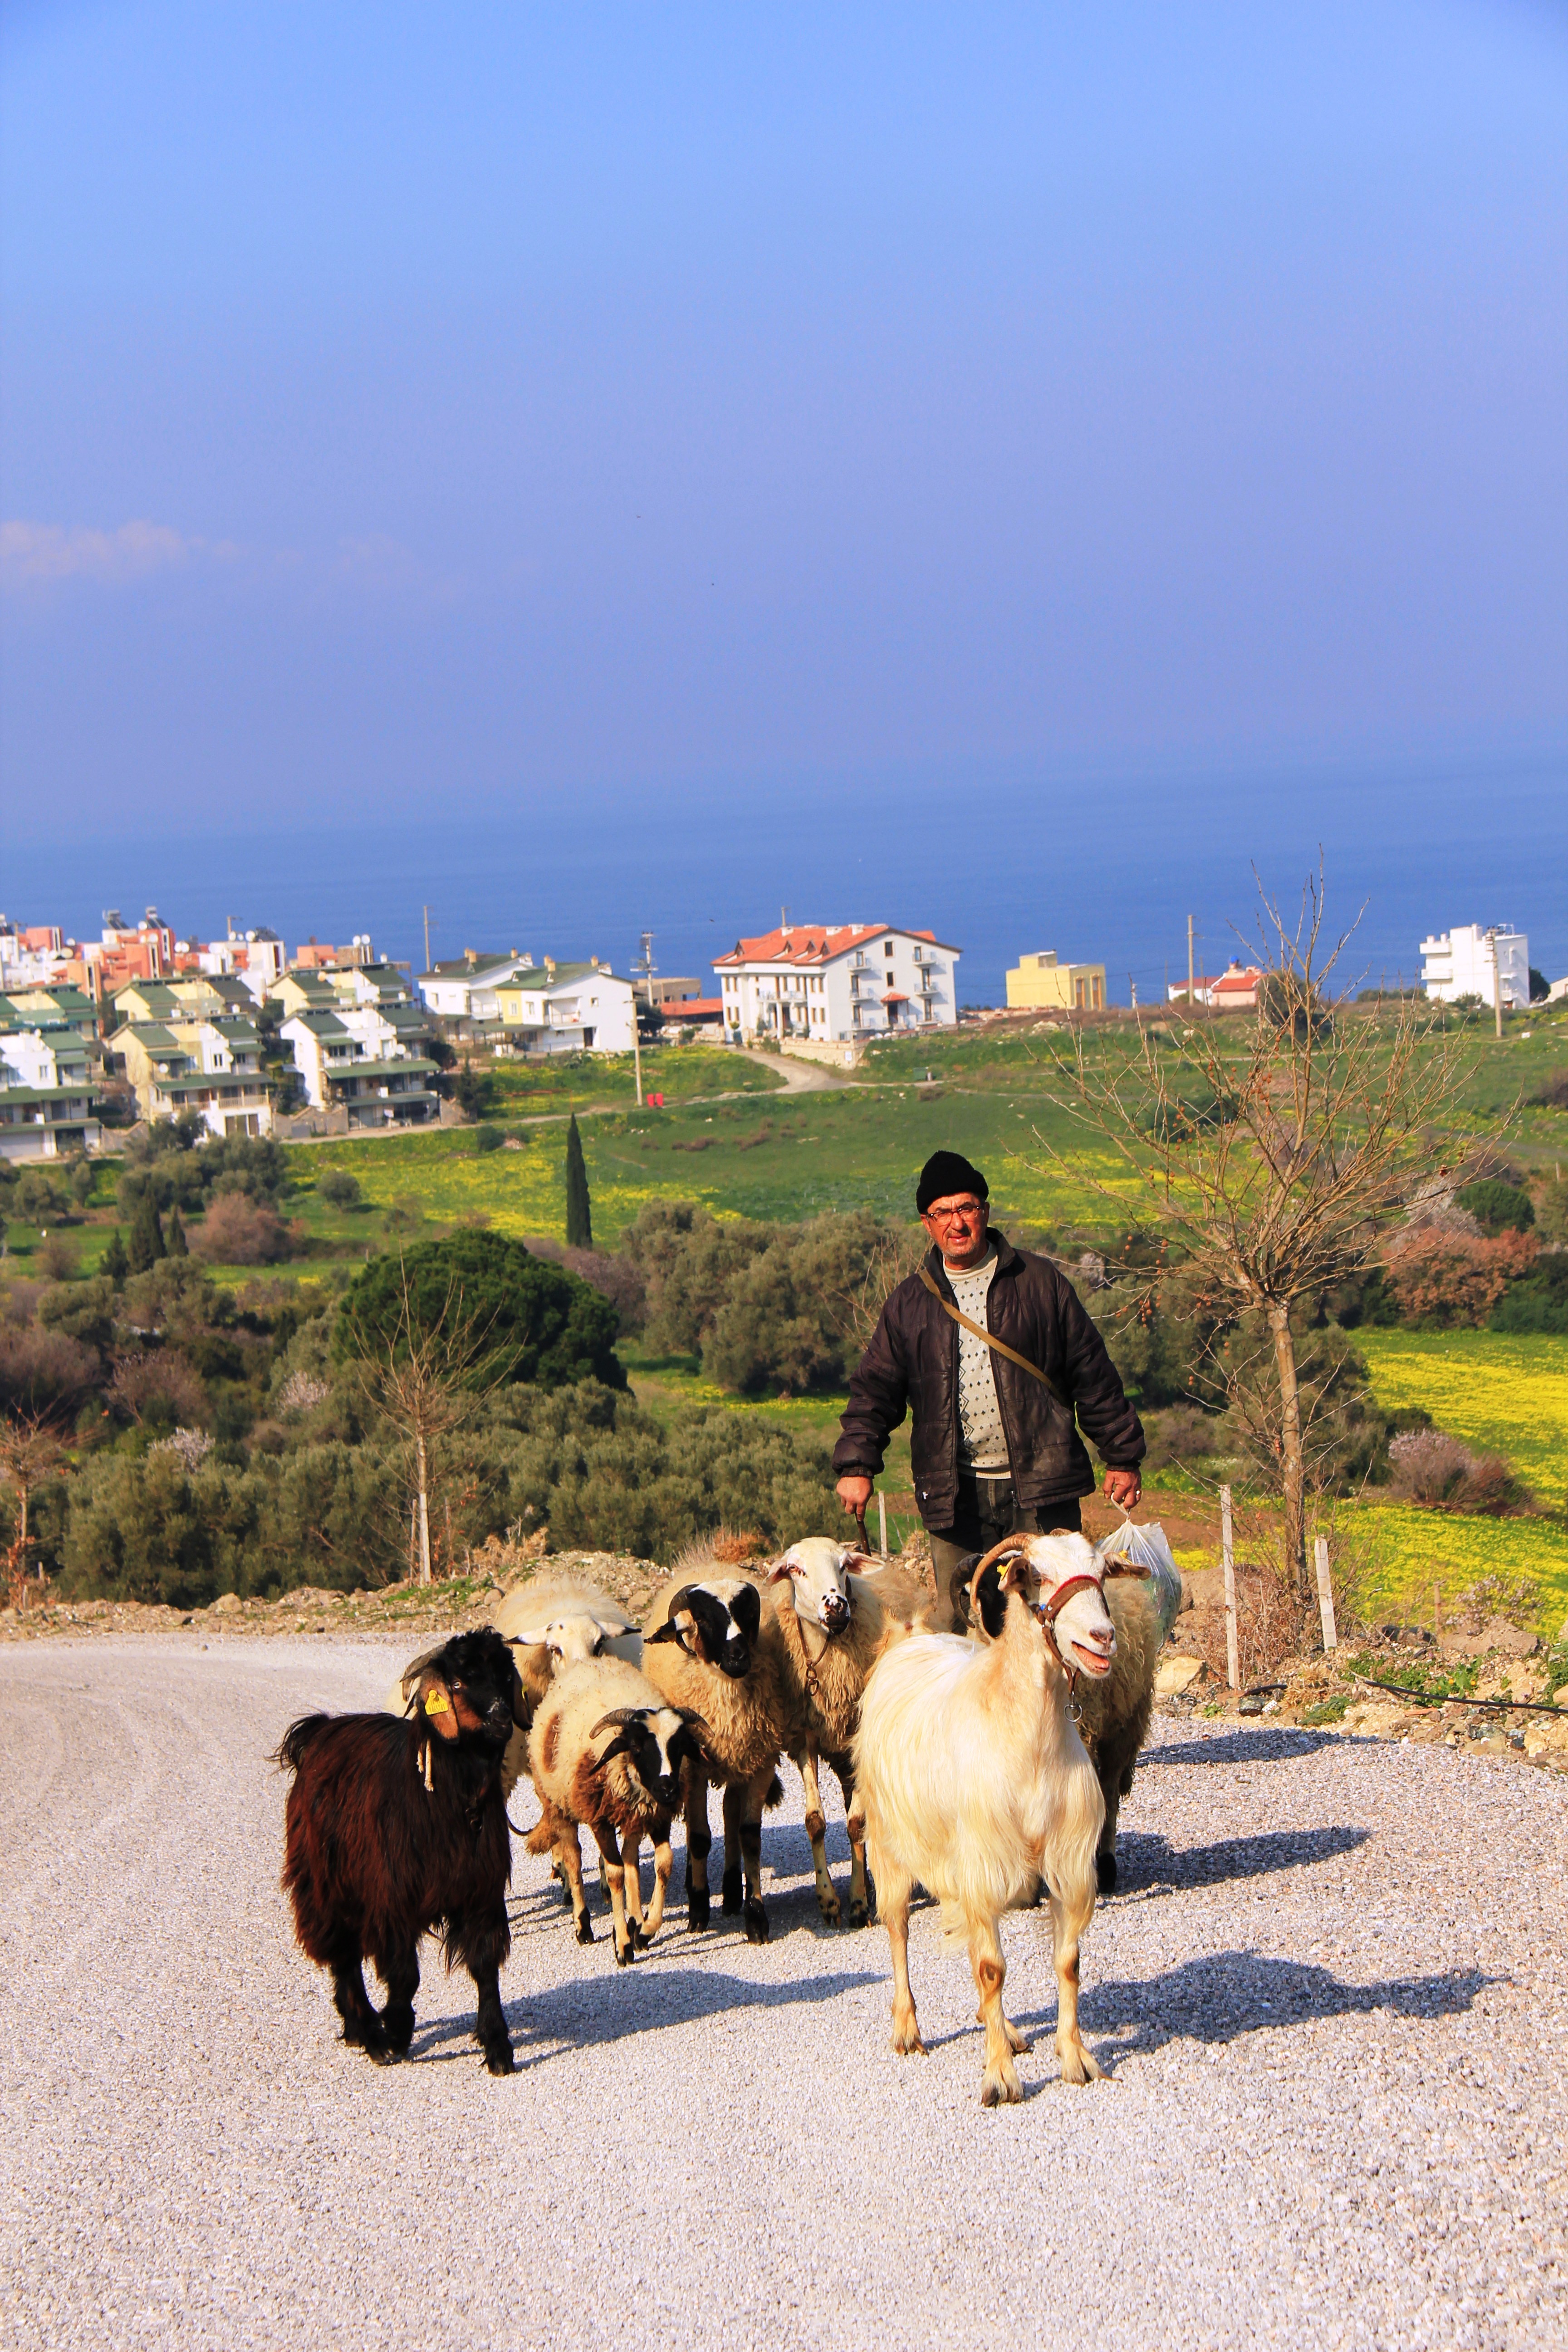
(988,1601)
(863,1563)
(781,1571)
(693,1720)
(747,1611)
(433,1705)
(521,1713)
(669,1632)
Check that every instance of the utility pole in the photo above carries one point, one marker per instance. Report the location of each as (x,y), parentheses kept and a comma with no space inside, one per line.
(1496,999)
(426,939)
(1132,985)
(1189,964)
(646,966)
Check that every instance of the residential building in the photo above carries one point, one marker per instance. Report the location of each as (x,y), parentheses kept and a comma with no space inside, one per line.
(358,1060)
(837,983)
(566,1008)
(46,1095)
(370,982)
(213,1067)
(1235,990)
(1040,980)
(187,996)
(1472,961)
(697,1016)
(47,1007)
(465,989)
(669,988)
(314,957)
(303,991)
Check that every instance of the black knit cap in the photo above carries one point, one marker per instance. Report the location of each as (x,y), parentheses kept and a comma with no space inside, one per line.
(947,1173)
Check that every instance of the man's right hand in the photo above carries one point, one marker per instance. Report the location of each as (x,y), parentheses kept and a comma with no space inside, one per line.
(854,1493)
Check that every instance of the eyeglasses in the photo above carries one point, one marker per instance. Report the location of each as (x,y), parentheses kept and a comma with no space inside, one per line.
(964,1209)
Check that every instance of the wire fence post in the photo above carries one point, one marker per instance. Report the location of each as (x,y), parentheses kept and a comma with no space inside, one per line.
(1326,1595)
(882,1523)
(1228,1554)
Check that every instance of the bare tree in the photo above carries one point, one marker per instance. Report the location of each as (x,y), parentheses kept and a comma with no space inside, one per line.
(1274,1154)
(29,1453)
(426,1379)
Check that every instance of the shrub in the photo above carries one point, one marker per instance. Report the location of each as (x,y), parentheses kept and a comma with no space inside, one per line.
(535,1321)
(487,1139)
(1552,1092)
(55,1257)
(1551,1210)
(160,1390)
(339,1189)
(1496,1206)
(42,1369)
(240,1231)
(1428,1467)
(1454,1279)
(38,1202)
(1539,1302)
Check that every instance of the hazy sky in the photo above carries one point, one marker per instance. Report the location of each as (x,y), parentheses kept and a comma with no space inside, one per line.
(424,409)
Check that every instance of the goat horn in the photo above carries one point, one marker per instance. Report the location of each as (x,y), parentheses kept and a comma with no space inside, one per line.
(689,1716)
(618,1716)
(999,1551)
(418,1665)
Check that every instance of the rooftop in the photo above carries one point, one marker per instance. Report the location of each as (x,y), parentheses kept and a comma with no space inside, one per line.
(814,944)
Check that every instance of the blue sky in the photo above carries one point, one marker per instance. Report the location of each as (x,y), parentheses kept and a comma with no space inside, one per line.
(479,410)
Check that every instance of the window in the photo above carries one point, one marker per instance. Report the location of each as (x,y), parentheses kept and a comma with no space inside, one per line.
(888,949)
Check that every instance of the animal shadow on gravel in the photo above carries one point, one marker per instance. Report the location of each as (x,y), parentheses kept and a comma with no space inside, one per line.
(1232,1993)
(1241,1748)
(1147,1859)
(577,2016)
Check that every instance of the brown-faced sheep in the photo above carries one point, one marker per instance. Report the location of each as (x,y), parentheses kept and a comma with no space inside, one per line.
(710,1647)
(621,1787)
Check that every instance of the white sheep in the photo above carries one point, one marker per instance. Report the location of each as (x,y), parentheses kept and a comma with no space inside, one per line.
(622,1789)
(974,1783)
(834,1623)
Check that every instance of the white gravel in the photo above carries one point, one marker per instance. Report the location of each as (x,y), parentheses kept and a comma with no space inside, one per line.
(1331,1996)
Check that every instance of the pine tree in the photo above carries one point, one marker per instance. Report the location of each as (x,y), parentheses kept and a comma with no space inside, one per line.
(176,1235)
(147,1245)
(114,1262)
(579,1217)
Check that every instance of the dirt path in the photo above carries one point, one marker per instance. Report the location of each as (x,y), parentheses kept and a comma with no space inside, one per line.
(1331,1999)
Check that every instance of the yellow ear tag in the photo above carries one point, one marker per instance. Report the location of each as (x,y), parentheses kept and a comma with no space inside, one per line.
(437,1703)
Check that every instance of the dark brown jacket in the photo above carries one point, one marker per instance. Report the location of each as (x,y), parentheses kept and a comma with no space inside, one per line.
(912,1360)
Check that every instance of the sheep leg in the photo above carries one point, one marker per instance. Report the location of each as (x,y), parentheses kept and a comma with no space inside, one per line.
(855,1825)
(571,1855)
(631,1862)
(744,1832)
(999,2085)
(615,1875)
(362,2029)
(400,1974)
(894,1888)
(733,1877)
(817,1831)
(1067,1923)
(698,1839)
(663,1862)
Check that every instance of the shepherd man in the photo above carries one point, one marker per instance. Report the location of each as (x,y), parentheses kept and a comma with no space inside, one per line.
(991,1349)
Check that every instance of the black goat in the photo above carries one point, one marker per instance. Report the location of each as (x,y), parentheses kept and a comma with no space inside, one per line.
(396,1828)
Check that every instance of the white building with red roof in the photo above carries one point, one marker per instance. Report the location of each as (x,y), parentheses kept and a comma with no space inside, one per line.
(836,984)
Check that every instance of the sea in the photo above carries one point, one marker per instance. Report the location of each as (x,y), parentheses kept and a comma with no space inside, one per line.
(1102,867)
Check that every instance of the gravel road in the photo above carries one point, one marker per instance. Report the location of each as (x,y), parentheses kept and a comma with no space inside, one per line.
(1332,1996)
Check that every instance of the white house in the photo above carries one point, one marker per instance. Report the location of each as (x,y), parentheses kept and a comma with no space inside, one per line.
(465,989)
(1473,961)
(836,984)
(358,1060)
(46,1101)
(566,1008)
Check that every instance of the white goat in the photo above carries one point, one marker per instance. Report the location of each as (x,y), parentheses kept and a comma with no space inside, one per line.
(834,1624)
(973,1782)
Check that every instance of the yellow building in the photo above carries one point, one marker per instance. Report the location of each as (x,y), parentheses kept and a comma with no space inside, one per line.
(1039,982)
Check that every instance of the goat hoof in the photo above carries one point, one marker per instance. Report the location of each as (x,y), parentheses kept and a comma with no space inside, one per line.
(756,1924)
(639,1935)
(499,2059)
(399,2034)
(698,1906)
(1079,2067)
(379,2051)
(1105,1872)
(859,1915)
(585,1930)
(831,1917)
(730,1898)
(1001,2089)
(626,1953)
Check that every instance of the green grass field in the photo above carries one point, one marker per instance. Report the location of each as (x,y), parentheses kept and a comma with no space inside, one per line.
(1498,1394)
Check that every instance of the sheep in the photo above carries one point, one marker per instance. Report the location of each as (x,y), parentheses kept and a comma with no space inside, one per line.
(396,1829)
(1114,1715)
(628,1788)
(834,1626)
(707,1646)
(973,1781)
(526,1616)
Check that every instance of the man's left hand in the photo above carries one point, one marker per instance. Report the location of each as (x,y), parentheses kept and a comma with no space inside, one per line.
(1124,1487)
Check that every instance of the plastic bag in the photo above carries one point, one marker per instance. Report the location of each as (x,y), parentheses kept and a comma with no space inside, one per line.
(1145,1548)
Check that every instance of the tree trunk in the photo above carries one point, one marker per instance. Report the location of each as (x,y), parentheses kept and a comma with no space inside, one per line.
(1292,1460)
(424,1508)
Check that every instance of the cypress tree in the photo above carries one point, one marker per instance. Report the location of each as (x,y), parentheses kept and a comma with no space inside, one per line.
(147,1245)
(114,1262)
(579,1218)
(176,1235)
